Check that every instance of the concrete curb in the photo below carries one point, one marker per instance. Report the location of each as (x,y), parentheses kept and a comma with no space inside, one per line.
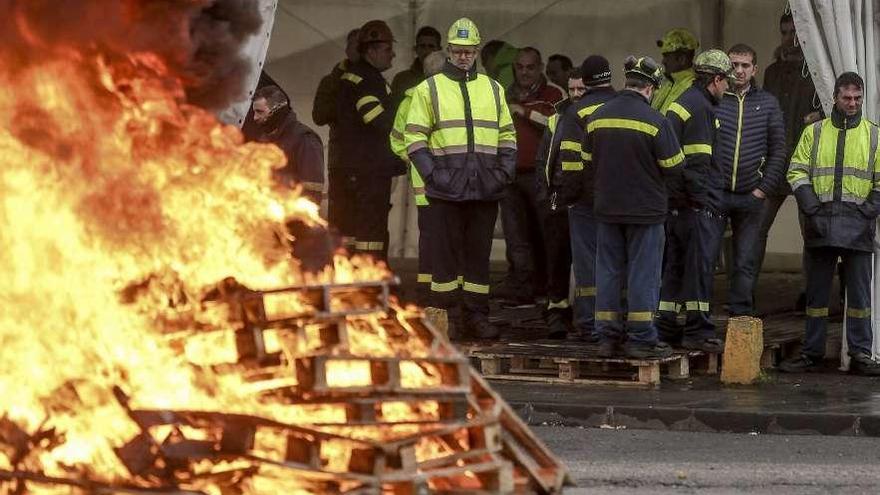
(699,419)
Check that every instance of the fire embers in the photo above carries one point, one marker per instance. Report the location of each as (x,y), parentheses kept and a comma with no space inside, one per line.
(354,395)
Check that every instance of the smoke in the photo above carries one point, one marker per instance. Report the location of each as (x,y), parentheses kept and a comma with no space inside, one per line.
(198,40)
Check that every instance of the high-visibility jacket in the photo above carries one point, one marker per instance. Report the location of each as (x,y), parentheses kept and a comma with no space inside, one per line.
(835,175)
(671,88)
(692,117)
(569,180)
(399,147)
(634,151)
(460,136)
(364,119)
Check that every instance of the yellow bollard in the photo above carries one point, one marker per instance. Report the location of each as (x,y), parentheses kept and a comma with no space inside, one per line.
(742,350)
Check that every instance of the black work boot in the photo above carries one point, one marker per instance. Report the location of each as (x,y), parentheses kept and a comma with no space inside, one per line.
(558,323)
(610,348)
(800,364)
(862,364)
(713,346)
(659,350)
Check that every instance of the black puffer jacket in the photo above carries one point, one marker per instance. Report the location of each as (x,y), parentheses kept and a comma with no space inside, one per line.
(750,147)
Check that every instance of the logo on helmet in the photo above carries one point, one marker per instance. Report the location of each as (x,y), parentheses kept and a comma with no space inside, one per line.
(463,33)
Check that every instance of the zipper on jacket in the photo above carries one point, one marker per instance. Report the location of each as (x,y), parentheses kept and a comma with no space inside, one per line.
(468,115)
(739,125)
(838,162)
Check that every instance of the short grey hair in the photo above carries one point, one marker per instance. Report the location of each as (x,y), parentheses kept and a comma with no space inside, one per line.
(434,62)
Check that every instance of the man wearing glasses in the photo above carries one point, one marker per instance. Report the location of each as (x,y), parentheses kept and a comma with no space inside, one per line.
(460,137)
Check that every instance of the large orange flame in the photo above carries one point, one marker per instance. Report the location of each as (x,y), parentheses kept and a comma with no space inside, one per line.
(109,178)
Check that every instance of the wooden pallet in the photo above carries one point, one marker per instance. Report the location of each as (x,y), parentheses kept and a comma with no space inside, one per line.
(578,363)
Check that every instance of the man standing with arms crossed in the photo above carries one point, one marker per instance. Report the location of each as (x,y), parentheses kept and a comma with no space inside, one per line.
(460,137)
(633,150)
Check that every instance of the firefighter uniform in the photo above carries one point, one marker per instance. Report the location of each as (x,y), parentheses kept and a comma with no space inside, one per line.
(835,175)
(553,223)
(677,83)
(365,118)
(633,150)
(692,243)
(460,138)
(573,185)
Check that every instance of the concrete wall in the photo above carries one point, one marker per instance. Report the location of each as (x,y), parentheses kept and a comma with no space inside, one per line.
(309,37)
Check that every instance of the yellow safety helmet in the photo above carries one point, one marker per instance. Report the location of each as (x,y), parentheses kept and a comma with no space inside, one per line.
(463,32)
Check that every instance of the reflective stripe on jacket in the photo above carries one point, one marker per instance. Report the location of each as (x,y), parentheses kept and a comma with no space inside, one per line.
(634,151)
(671,88)
(570,181)
(364,121)
(835,177)
(692,117)
(460,136)
(399,147)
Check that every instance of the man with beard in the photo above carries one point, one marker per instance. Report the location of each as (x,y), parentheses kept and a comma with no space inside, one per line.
(301,145)
(312,246)
(788,80)
(531,99)
(365,116)
(694,217)
(835,176)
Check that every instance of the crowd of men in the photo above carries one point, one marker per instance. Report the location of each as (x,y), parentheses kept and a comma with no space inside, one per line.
(630,189)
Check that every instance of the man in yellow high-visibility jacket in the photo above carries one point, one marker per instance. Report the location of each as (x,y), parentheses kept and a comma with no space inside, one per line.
(432,64)
(835,176)
(460,138)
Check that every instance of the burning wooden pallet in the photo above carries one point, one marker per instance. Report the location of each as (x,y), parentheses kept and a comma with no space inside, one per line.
(362,402)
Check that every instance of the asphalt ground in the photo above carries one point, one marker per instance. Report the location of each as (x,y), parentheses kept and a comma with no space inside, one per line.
(624,461)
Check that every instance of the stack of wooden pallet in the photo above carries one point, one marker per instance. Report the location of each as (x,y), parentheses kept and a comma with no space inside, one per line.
(342,393)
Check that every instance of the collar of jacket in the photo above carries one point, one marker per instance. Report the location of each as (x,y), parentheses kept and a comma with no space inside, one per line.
(563,105)
(456,74)
(516,93)
(631,93)
(753,86)
(709,96)
(417,66)
(276,122)
(841,121)
(680,75)
(364,67)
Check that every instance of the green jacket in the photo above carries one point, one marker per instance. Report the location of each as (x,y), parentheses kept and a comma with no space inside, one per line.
(669,91)
(398,146)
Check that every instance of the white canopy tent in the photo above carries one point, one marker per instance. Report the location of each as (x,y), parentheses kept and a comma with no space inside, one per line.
(839,36)
(308,37)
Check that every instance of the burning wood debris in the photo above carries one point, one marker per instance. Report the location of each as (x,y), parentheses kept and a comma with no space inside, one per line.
(124,366)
